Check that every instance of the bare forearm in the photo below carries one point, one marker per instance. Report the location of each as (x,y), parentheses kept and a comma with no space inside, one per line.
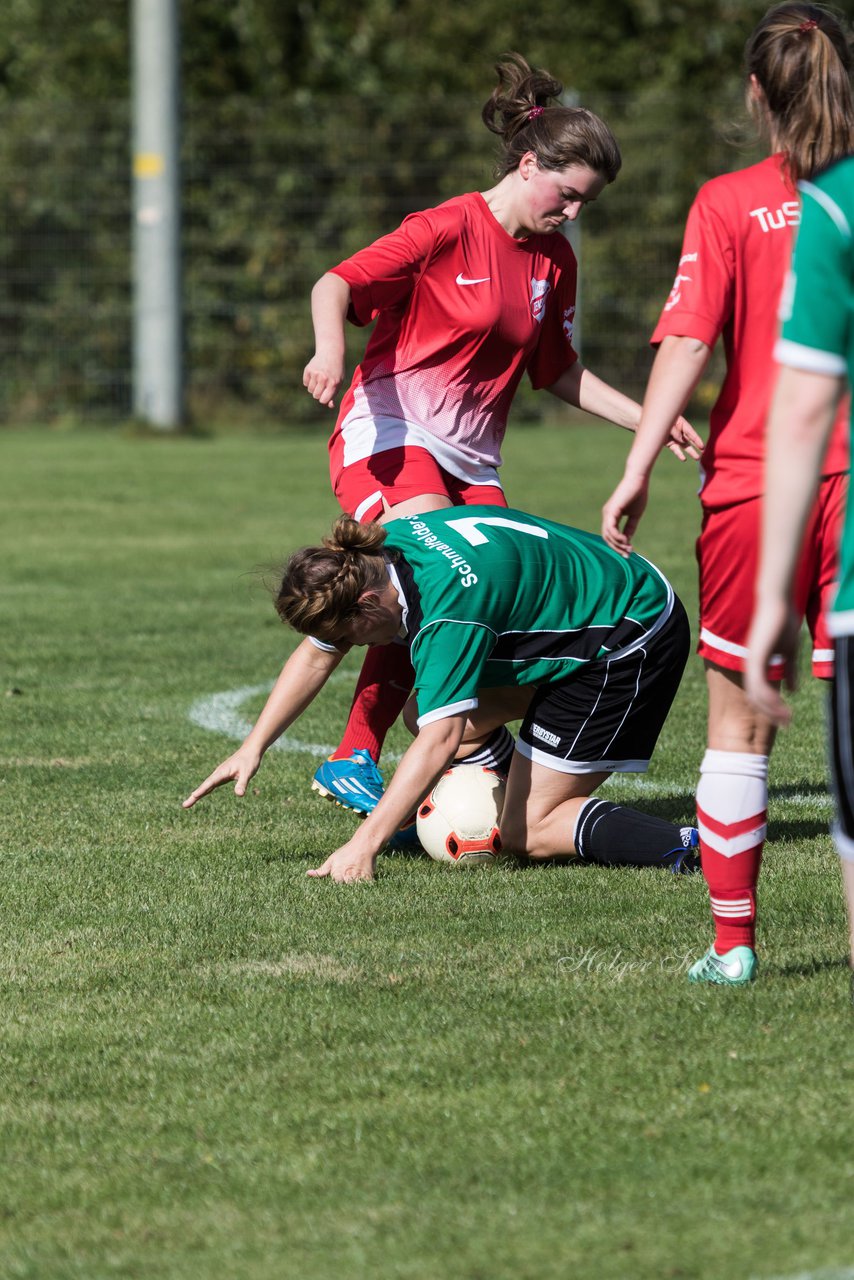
(426,760)
(798,429)
(330,299)
(324,372)
(584,390)
(578,386)
(301,679)
(678,366)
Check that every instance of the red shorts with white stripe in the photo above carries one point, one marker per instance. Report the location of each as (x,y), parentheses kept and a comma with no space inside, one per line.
(397,475)
(728,556)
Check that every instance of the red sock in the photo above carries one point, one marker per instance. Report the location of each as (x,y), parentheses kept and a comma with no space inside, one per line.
(732,890)
(385,683)
(731,816)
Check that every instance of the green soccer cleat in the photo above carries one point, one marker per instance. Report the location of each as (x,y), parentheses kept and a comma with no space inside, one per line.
(733,969)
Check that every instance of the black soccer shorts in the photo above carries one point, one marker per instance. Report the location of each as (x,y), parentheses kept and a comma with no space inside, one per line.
(841,727)
(608,716)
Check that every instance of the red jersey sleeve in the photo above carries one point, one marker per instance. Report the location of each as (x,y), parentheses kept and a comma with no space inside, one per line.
(554,352)
(384,274)
(701,300)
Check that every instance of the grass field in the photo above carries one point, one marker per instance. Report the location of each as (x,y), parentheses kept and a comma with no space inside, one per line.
(215,1067)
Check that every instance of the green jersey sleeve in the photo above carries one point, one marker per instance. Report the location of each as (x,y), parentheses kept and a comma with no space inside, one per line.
(449,656)
(816,308)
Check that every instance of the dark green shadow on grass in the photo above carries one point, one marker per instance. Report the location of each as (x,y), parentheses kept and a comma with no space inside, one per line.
(807,968)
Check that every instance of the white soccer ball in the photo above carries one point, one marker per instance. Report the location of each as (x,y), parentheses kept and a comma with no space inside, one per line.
(458,821)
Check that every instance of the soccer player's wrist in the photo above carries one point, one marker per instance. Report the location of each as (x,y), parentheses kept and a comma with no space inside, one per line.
(637,471)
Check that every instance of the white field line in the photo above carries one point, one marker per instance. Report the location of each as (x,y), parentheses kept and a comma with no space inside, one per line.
(639,785)
(824,1273)
(222,713)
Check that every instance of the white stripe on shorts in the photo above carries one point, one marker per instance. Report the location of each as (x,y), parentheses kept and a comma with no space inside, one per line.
(367,503)
(579,766)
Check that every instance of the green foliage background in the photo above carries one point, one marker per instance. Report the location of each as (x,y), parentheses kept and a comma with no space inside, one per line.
(309,129)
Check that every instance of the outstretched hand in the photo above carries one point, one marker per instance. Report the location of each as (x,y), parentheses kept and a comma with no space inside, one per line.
(684,441)
(239,768)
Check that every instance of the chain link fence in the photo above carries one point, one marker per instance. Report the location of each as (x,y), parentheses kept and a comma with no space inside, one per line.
(273,194)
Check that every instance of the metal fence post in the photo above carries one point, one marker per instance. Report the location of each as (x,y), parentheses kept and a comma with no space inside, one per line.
(157,321)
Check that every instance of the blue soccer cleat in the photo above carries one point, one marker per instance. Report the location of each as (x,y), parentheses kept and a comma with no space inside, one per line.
(354,782)
(405,839)
(686,859)
(734,968)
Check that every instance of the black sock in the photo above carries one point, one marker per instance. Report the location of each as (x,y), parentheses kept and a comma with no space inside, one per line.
(496,753)
(614,836)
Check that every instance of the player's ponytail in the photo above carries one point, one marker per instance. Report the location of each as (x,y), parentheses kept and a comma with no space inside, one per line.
(525,111)
(801,57)
(349,536)
(321,586)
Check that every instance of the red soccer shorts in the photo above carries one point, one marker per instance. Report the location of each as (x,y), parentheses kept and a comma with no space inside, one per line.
(399,474)
(728,556)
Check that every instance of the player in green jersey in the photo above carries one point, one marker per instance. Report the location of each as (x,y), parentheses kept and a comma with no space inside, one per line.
(816,350)
(506,617)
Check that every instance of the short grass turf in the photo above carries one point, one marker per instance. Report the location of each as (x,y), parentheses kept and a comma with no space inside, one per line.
(213,1066)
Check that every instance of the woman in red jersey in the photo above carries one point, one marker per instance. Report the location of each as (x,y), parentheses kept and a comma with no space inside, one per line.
(467,298)
(735,255)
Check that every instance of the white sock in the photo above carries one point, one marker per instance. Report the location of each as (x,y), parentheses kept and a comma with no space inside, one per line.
(733,787)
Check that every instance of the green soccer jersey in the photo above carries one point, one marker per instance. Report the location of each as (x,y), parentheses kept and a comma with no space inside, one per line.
(499,597)
(818,320)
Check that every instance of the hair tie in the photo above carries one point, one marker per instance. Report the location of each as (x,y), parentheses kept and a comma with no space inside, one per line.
(809,25)
(538,111)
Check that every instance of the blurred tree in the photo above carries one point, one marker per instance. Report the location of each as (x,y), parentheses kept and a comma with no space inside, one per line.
(63,49)
(311,127)
(266,48)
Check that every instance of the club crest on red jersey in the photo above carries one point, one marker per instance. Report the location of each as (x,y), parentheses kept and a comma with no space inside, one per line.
(539,292)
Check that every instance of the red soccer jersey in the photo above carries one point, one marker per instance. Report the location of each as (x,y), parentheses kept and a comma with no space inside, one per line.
(735,256)
(462,311)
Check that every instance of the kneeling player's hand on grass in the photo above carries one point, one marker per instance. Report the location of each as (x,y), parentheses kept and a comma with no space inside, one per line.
(349,863)
(239,768)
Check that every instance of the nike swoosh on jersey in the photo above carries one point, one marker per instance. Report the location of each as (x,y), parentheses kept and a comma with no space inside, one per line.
(461,279)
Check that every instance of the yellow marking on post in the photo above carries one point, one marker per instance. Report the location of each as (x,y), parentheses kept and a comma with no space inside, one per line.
(147,164)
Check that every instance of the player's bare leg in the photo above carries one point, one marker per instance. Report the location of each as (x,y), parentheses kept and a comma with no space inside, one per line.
(541,808)
(550,814)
